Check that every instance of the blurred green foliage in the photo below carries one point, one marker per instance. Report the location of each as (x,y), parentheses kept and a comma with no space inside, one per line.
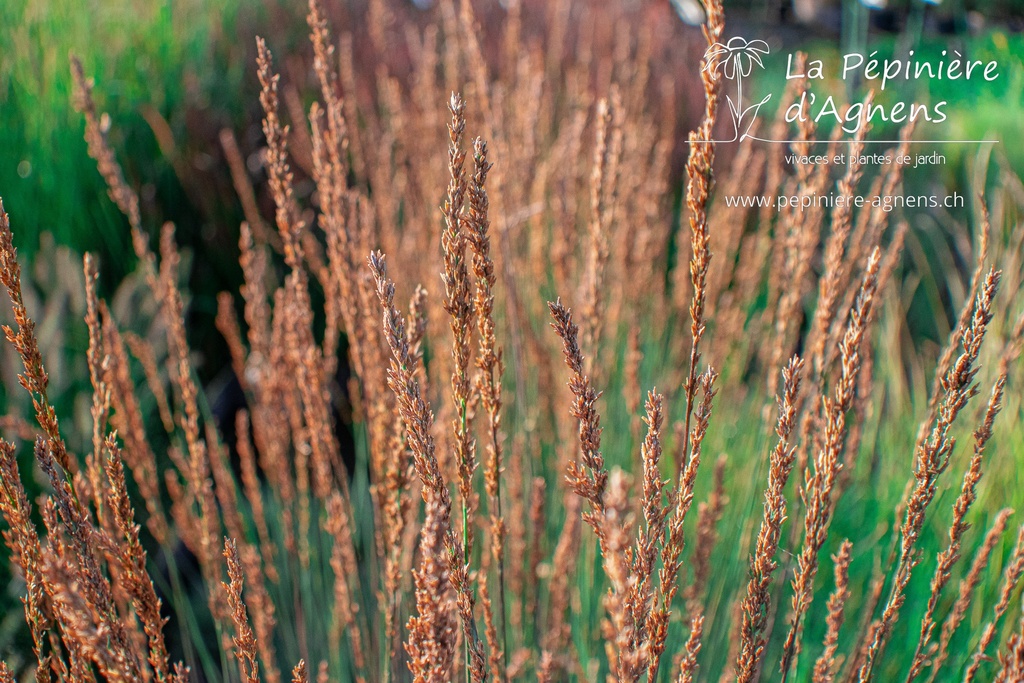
(147,56)
(171,75)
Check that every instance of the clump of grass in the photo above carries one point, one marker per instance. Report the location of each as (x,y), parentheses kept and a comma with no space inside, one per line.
(392,556)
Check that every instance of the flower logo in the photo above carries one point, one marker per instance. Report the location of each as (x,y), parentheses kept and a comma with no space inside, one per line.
(738,56)
(736,61)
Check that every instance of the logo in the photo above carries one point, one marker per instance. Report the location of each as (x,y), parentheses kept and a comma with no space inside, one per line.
(735,61)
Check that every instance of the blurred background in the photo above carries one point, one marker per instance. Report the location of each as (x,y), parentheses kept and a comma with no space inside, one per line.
(173,75)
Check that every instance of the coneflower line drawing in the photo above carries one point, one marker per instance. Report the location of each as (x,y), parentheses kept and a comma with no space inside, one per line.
(735,60)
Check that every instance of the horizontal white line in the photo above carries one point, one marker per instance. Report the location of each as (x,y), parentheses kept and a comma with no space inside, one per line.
(873,142)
